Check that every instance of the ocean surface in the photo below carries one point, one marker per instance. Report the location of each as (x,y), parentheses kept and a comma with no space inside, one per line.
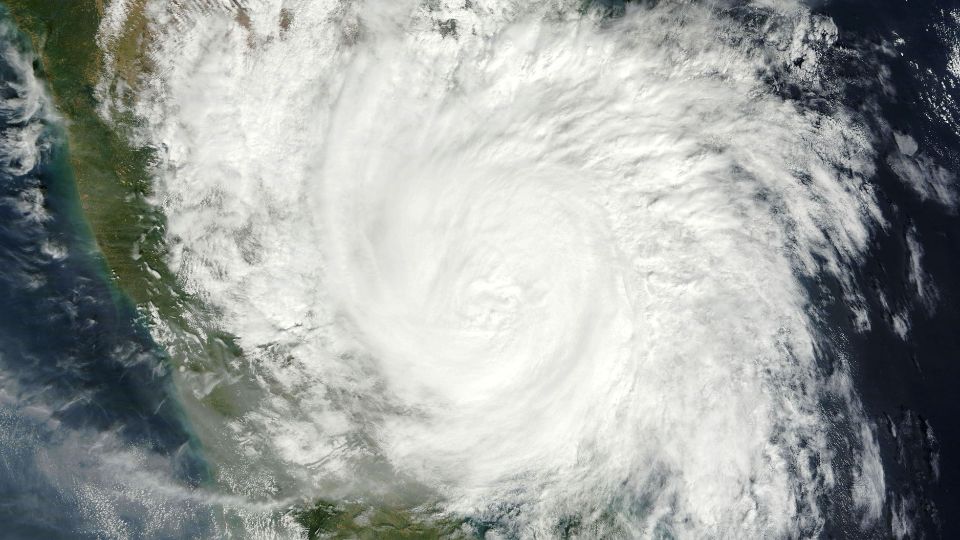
(906,382)
(845,426)
(81,377)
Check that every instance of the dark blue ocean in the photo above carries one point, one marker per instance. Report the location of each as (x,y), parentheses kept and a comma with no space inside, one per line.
(87,406)
(80,378)
(909,386)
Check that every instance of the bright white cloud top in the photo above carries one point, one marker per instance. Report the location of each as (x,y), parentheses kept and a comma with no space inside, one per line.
(529,264)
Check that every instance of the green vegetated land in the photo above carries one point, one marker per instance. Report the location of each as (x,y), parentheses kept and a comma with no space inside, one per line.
(114,183)
(352,520)
(114,179)
(111,175)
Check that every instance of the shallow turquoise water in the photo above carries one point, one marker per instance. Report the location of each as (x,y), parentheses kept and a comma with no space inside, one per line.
(84,391)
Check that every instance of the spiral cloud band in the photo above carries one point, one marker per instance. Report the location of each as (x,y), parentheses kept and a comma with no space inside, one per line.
(533,262)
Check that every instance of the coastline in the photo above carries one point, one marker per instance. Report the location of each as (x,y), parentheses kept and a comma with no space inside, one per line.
(113,184)
(112,177)
(87,398)
(90,200)
(103,196)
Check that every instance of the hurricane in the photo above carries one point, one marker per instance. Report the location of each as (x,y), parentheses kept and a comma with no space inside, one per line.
(508,269)
(542,264)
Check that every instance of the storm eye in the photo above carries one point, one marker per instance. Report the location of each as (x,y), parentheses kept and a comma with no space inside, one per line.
(477,268)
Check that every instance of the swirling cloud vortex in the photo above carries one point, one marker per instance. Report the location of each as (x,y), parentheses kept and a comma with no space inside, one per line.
(558,262)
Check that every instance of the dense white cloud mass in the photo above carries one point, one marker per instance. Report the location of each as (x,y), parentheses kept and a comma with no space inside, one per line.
(541,264)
